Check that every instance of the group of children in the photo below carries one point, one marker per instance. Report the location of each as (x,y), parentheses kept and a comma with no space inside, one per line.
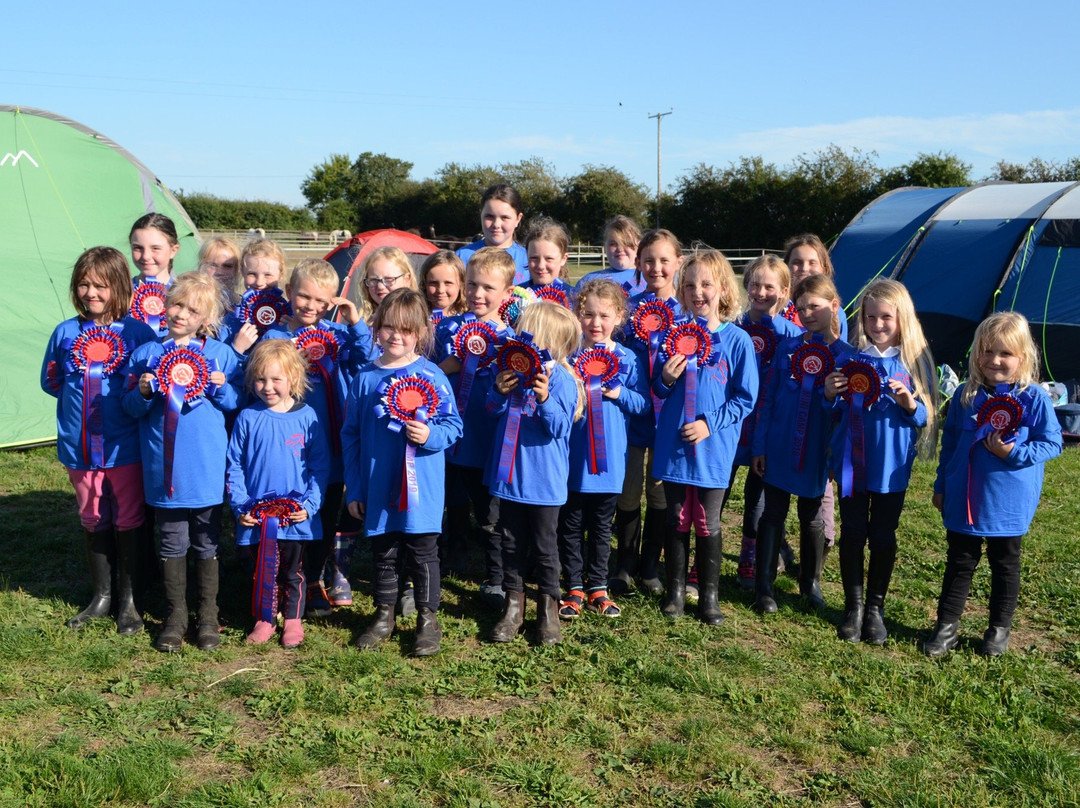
(486,390)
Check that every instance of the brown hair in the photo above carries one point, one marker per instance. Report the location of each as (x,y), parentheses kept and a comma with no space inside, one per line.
(820,285)
(109,266)
(446,258)
(810,240)
(406,310)
(608,291)
(544,228)
(292,362)
(623,230)
(502,192)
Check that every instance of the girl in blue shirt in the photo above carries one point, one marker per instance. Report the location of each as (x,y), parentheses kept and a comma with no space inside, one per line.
(548,246)
(154,245)
(621,239)
(500,216)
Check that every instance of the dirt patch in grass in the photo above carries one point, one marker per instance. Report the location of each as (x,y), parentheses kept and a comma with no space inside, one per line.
(455,708)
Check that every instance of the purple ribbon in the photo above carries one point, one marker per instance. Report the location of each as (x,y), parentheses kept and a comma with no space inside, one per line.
(802,420)
(853,479)
(264,592)
(93,415)
(654,352)
(690,395)
(409,496)
(597,438)
(510,436)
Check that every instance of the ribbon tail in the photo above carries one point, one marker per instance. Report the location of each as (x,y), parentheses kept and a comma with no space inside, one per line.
(174,402)
(332,411)
(597,437)
(465,380)
(802,421)
(510,437)
(264,592)
(690,396)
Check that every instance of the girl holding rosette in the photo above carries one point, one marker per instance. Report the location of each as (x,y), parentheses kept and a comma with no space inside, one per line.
(185,384)
(659,257)
(278,467)
(84,369)
(501,212)
(536,398)
(885,397)
(154,245)
(788,448)
(616,389)
(262,304)
(999,432)
(548,245)
(621,239)
(442,277)
(400,418)
(708,383)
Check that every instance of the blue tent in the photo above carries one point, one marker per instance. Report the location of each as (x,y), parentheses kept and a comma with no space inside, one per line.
(965,253)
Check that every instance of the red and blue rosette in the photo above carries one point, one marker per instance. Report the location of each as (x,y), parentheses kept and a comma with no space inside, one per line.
(763,337)
(411,397)
(473,342)
(520,354)
(97,352)
(866,384)
(558,291)
(272,512)
(598,368)
(436,317)
(690,337)
(263,308)
(811,362)
(790,313)
(519,298)
(182,375)
(651,317)
(322,349)
(1001,412)
(148,304)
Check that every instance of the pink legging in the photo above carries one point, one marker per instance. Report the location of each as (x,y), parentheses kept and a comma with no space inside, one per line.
(109,498)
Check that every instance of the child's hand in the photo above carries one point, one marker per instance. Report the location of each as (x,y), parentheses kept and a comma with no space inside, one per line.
(247,520)
(613,394)
(540,387)
(673,369)
(902,396)
(450,365)
(417,432)
(297,517)
(144,385)
(247,336)
(356,508)
(506,382)
(939,501)
(347,309)
(996,446)
(757,465)
(835,384)
(217,378)
(695,432)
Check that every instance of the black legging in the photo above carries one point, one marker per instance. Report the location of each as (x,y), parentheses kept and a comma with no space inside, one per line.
(1003,553)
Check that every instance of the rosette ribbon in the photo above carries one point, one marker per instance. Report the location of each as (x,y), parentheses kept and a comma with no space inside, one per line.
(598,367)
(97,352)
(1002,412)
(411,397)
(811,362)
(323,351)
(182,375)
(436,317)
(763,336)
(473,342)
(558,291)
(866,385)
(148,304)
(263,308)
(272,512)
(521,355)
(651,317)
(689,337)
(519,298)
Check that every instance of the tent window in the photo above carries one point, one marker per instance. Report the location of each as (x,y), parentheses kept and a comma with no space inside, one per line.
(1061,233)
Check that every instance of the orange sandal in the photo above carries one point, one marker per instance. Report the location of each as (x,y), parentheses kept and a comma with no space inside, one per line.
(604,606)
(571,603)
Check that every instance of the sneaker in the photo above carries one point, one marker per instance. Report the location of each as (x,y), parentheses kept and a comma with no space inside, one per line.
(318,604)
(493,596)
(570,604)
(293,634)
(601,604)
(406,604)
(692,585)
(262,632)
(340,592)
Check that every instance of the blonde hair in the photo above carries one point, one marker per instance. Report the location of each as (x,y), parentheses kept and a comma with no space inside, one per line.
(624,231)
(776,265)
(717,265)
(914,352)
(813,241)
(1011,329)
(202,294)
(446,258)
(496,261)
(405,310)
(555,328)
(212,245)
(265,248)
(318,271)
(608,291)
(293,364)
(820,285)
(108,266)
(395,256)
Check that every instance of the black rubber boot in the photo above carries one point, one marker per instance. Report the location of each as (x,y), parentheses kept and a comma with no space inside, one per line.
(99,558)
(765,569)
(628,551)
(944,639)
(652,544)
(207,636)
(747,561)
(428,633)
(996,641)
(787,555)
(174,582)
(878,576)
(811,554)
(513,618)
(851,574)
(675,551)
(708,563)
(547,620)
(380,628)
(128,558)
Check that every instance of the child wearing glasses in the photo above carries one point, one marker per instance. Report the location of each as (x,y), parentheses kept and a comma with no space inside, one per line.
(385,270)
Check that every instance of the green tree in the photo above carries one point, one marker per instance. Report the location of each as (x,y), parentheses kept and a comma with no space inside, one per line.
(372,186)
(326,190)
(941,170)
(1037,170)
(214,213)
(595,195)
(540,187)
(452,198)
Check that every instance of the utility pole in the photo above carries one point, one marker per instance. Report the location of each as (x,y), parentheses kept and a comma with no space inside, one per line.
(659,117)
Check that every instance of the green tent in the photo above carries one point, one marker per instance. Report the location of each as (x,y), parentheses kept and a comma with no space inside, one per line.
(63,188)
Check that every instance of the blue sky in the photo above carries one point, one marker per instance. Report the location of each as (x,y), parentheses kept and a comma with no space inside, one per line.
(242,100)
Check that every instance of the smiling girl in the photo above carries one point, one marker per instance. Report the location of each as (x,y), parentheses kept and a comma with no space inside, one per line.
(500,216)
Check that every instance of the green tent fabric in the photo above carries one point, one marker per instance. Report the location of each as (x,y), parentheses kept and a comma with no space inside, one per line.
(63,188)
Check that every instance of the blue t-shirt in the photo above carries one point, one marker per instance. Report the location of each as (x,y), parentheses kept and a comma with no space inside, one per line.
(517,252)
(620,277)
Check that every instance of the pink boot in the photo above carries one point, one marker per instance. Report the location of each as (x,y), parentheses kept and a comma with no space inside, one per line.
(293,634)
(262,632)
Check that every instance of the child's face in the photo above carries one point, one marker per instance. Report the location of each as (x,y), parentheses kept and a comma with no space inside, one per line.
(999,364)
(383,276)
(816,313)
(880,324)
(765,293)
(804,262)
(484,293)
(658,264)
(499,220)
(222,266)
(261,272)
(152,253)
(309,301)
(184,320)
(273,388)
(442,286)
(619,256)
(546,261)
(396,344)
(699,292)
(94,295)
(598,319)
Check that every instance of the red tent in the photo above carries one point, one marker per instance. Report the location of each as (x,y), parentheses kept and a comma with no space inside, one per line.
(348,257)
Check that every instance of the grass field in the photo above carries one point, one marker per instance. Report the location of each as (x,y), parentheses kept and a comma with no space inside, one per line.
(638,711)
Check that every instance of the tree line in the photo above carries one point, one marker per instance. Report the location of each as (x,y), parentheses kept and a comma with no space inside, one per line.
(748,203)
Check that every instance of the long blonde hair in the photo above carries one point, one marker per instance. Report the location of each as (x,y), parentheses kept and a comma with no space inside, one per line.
(396,256)
(555,328)
(717,265)
(914,351)
(774,264)
(1012,331)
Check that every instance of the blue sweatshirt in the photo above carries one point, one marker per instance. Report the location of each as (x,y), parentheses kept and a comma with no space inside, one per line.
(776,429)
(375,455)
(542,459)
(120,434)
(618,276)
(278,452)
(633,400)
(199,453)
(726,391)
(642,428)
(1004,492)
(559,291)
(517,252)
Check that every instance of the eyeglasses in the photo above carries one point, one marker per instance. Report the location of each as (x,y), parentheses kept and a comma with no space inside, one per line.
(375,283)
